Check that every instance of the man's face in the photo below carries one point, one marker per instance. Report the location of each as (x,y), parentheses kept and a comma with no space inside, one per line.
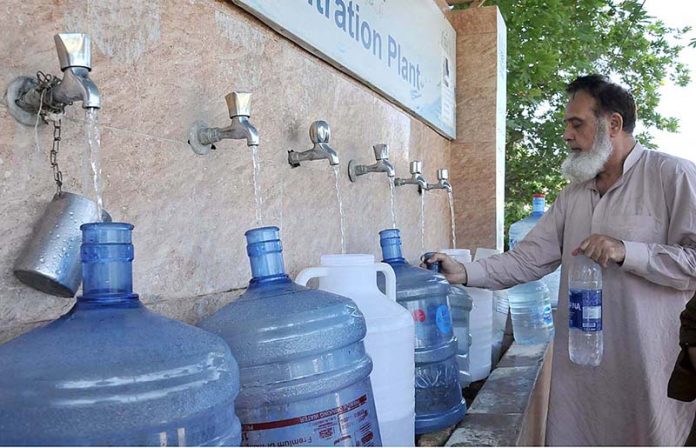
(581,122)
(588,140)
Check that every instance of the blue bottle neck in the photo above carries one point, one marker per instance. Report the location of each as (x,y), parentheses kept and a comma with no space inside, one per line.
(538,205)
(390,240)
(107,262)
(265,255)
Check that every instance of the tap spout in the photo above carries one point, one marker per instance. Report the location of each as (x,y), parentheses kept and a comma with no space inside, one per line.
(203,138)
(240,129)
(319,134)
(443,181)
(416,178)
(382,164)
(76,86)
(26,96)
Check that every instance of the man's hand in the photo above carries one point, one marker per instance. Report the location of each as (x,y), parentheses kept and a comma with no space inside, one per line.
(453,271)
(602,249)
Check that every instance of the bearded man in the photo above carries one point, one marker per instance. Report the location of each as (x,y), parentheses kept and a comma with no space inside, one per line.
(634,212)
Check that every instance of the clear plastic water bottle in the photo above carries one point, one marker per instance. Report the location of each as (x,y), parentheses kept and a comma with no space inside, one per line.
(303,366)
(530,310)
(110,372)
(585,341)
(521,228)
(461,305)
(424,294)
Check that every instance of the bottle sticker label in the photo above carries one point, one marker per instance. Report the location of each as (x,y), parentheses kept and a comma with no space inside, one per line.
(348,425)
(585,309)
(443,319)
(548,315)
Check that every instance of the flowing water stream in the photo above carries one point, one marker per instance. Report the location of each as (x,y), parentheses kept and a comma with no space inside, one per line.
(91,161)
(339,199)
(393,209)
(422,221)
(450,198)
(257,185)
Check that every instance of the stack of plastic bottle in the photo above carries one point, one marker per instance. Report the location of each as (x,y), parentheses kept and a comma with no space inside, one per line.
(521,228)
(481,323)
(389,340)
(111,372)
(530,303)
(439,401)
(303,366)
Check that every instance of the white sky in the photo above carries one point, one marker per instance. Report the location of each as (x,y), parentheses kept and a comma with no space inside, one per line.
(679,102)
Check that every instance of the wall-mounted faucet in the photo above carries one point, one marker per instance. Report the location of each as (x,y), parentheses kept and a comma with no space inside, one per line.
(27,95)
(203,138)
(443,181)
(319,134)
(381,166)
(416,168)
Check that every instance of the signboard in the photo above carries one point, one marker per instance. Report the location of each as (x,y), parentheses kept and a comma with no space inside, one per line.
(403,48)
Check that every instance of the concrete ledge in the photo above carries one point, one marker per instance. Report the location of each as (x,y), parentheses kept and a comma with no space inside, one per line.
(511,407)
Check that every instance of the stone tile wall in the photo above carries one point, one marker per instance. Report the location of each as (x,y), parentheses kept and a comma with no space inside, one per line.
(161,65)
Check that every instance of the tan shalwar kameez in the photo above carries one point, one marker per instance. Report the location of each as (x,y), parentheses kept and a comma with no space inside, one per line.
(652,209)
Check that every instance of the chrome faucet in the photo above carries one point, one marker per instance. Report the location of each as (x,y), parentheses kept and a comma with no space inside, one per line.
(319,134)
(27,96)
(381,166)
(203,138)
(443,181)
(416,178)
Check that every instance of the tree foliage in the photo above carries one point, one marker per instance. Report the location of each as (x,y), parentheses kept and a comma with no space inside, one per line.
(549,43)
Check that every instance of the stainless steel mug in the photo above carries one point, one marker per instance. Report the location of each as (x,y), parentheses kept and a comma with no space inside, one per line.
(50,260)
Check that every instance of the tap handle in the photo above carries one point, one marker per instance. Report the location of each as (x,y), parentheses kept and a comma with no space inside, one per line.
(381,151)
(442,174)
(319,132)
(416,167)
(74,50)
(239,104)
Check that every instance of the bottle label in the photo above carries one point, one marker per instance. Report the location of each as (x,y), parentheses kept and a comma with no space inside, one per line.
(585,311)
(513,243)
(548,315)
(351,424)
(443,320)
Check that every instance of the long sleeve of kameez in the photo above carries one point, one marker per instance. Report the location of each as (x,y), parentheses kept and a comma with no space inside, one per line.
(672,264)
(538,254)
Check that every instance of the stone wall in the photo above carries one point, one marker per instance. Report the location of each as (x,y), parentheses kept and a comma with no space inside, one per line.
(161,65)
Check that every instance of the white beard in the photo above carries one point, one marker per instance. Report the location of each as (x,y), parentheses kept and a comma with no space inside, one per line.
(583,166)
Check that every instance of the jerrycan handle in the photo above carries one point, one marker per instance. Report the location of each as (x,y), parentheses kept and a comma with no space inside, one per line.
(307,274)
(390,279)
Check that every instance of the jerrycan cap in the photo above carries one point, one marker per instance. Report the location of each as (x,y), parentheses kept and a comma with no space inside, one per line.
(431,266)
(348,260)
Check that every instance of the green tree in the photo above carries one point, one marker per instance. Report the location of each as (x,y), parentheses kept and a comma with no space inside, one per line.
(549,43)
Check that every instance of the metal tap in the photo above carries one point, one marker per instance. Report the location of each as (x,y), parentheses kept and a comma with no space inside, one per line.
(203,138)
(381,166)
(319,134)
(443,181)
(26,95)
(416,178)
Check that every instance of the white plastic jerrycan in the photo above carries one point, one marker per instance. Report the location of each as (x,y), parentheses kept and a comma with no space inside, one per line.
(389,341)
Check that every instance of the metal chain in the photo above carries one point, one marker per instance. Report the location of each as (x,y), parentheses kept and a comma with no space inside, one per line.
(57,173)
(54,114)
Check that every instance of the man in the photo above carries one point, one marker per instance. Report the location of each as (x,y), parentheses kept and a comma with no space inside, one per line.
(634,212)
(682,384)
